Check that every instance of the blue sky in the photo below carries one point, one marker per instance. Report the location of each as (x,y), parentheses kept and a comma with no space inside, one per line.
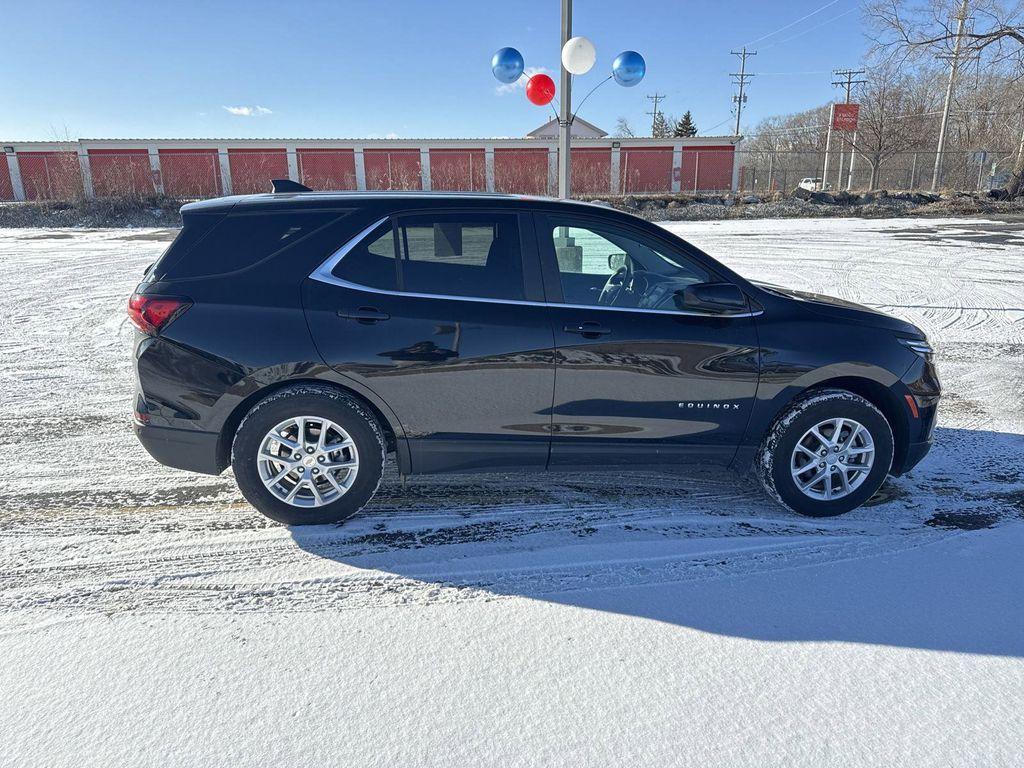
(408,68)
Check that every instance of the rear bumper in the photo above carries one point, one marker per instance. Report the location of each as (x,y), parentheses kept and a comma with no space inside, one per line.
(181,448)
(915,452)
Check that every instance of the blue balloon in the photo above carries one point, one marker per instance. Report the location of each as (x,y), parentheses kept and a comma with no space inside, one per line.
(507,65)
(629,68)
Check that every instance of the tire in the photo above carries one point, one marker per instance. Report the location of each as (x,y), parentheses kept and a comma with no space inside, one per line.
(777,458)
(347,417)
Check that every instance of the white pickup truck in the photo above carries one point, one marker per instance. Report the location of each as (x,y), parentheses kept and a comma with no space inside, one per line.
(814,185)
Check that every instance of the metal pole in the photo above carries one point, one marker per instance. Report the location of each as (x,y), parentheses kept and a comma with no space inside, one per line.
(853,156)
(564,106)
(961,18)
(771,158)
(842,158)
(828,146)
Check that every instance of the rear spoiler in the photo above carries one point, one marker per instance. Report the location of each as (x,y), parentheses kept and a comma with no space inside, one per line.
(287,185)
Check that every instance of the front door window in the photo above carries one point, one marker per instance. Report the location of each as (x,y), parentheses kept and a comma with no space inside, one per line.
(604,267)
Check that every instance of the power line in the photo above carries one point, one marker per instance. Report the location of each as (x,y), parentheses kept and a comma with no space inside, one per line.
(740,79)
(793,23)
(808,30)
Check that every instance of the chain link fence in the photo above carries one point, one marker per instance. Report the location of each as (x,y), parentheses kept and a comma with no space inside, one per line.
(766,172)
(188,173)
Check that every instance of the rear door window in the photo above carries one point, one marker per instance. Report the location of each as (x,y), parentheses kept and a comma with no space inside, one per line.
(451,254)
(475,255)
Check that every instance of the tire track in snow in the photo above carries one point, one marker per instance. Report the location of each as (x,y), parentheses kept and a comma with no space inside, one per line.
(82,534)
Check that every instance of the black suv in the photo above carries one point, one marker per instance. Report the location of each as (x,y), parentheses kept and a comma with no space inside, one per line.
(301,337)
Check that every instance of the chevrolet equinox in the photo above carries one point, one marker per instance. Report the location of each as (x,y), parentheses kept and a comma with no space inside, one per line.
(301,337)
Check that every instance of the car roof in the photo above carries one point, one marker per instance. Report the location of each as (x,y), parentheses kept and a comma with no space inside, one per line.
(299,200)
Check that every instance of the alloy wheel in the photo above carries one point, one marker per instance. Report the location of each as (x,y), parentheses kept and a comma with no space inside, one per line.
(832,459)
(308,461)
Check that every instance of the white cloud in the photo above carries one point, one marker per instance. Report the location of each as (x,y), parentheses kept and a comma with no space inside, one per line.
(524,78)
(245,111)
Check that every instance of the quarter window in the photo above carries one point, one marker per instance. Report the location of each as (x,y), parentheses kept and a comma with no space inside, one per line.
(372,262)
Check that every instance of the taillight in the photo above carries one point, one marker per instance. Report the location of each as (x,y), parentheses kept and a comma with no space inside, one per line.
(151,314)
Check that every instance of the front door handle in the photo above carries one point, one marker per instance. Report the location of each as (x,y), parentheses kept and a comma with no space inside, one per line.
(364,315)
(588,330)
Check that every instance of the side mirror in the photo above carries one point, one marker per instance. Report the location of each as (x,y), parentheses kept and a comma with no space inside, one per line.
(616,261)
(712,297)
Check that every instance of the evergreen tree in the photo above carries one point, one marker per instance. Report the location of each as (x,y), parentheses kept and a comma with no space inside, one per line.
(660,128)
(685,127)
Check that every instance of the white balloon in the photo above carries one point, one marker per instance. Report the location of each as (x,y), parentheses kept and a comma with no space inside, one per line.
(578,55)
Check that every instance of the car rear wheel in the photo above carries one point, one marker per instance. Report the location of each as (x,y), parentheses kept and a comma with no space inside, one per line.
(826,454)
(308,455)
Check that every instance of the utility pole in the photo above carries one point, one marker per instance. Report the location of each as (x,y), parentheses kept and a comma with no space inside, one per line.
(654,113)
(961,18)
(564,106)
(828,145)
(741,79)
(848,84)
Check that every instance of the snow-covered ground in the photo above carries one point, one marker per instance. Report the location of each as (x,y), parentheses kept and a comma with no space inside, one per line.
(149,616)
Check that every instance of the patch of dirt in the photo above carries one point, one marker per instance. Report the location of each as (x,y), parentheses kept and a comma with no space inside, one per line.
(963,521)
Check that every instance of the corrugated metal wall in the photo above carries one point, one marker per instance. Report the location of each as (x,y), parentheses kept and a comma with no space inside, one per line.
(6,187)
(393,169)
(458,170)
(191,172)
(522,171)
(121,171)
(325,169)
(646,169)
(50,175)
(252,170)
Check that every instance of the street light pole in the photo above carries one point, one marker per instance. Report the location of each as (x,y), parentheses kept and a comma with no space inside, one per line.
(564,106)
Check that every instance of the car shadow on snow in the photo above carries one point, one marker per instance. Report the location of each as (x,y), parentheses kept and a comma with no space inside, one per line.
(933,562)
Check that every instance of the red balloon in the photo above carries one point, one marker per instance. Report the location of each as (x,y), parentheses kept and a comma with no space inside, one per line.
(540,90)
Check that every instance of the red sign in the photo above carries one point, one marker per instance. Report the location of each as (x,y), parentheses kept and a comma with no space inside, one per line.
(844,117)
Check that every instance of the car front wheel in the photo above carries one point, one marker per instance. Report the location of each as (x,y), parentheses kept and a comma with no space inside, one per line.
(308,455)
(826,454)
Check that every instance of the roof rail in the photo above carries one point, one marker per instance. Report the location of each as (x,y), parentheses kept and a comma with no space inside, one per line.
(287,185)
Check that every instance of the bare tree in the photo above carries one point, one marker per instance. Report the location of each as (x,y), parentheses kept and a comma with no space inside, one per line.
(892,114)
(623,129)
(994,37)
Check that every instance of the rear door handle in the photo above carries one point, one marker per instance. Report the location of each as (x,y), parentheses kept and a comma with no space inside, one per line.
(365,315)
(589,330)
